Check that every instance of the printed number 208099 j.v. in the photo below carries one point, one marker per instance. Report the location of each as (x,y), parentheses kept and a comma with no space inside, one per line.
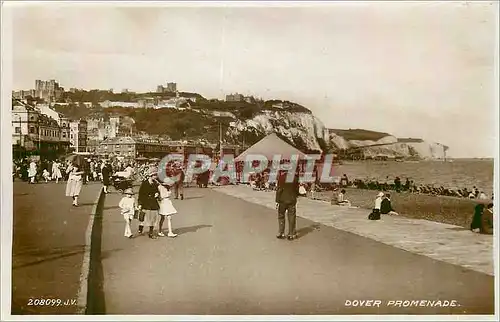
(51,302)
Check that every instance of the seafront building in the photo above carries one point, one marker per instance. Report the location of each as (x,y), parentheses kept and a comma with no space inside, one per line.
(37,133)
(78,135)
(148,147)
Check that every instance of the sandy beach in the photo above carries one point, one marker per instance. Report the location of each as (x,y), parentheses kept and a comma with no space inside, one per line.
(449,210)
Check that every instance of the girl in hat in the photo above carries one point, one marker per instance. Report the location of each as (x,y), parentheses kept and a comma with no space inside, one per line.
(74,184)
(166,208)
(32,171)
(127,206)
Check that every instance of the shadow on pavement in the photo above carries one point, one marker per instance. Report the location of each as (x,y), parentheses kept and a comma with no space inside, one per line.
(86,204)
(192,229)
(458,229)
(95,296)
(108,253)
(109,208)
(193,197)
(47,259)
(306,230)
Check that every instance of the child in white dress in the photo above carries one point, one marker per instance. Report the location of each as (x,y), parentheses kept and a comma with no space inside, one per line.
(166,209)
(127,206)
(46,175)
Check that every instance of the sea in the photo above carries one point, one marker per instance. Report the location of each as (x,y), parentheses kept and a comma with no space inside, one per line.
(455,173)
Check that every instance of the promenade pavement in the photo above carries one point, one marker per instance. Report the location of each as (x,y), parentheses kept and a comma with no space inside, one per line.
(444,242)
(227,260)
(48,246)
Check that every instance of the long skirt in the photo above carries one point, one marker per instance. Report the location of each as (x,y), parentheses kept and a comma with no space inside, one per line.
(56,174)
(73,188)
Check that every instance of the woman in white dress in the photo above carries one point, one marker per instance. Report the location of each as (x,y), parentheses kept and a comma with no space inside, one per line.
(32,172)
(74,184)
(56,172)
(167,209)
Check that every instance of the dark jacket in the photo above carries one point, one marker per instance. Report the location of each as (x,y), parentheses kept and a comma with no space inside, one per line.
(182,176)
(287,192)
(106,174)
(147,197)
(476,220)
(386,207)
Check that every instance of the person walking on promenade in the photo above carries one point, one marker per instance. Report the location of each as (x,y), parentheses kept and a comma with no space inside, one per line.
(487,220)
(148,203)
(179,184)
(127,206)
(286,202)
(74,184)
(69,168)
(32,172)
(475,225)
(56,172)
(167,209)
(106,176)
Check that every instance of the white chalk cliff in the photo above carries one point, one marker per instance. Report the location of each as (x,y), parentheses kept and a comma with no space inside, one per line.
(306,131)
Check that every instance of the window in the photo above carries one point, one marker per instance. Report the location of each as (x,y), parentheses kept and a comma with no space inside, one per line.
(32,129)
(64,134)
(17,130)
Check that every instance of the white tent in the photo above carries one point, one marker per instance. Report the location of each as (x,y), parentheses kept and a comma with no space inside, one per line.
(271,146)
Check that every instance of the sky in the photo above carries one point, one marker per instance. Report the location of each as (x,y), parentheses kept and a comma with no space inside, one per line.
(423,70)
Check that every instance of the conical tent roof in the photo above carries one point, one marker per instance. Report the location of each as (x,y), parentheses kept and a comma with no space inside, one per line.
(270,146)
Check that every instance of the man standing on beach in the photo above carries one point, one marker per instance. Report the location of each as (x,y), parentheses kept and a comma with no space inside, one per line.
(286,202)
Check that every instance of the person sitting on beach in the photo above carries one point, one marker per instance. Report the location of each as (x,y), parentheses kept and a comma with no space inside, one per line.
(472,195)
(341,201)
(302,190)
(483,196)
(344,181)
(487,221)
(407,184)
(397,184)
(386,206)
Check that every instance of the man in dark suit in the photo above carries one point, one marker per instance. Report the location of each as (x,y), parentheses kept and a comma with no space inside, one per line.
(286,202)
(148,202)
(179,185)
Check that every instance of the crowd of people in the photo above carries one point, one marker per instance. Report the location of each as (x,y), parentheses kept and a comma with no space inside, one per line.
(398,186)
(153,205)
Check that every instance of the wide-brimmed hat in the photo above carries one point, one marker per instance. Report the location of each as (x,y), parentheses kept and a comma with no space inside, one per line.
(380,194)
(128,191)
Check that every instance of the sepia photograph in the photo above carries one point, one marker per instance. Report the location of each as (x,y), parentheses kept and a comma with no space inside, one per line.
(331,160)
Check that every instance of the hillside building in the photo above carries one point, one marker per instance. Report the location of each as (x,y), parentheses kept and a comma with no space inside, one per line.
(78,135)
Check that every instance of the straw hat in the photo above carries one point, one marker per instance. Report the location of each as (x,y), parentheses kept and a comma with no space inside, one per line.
(380,194)
(128,191)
